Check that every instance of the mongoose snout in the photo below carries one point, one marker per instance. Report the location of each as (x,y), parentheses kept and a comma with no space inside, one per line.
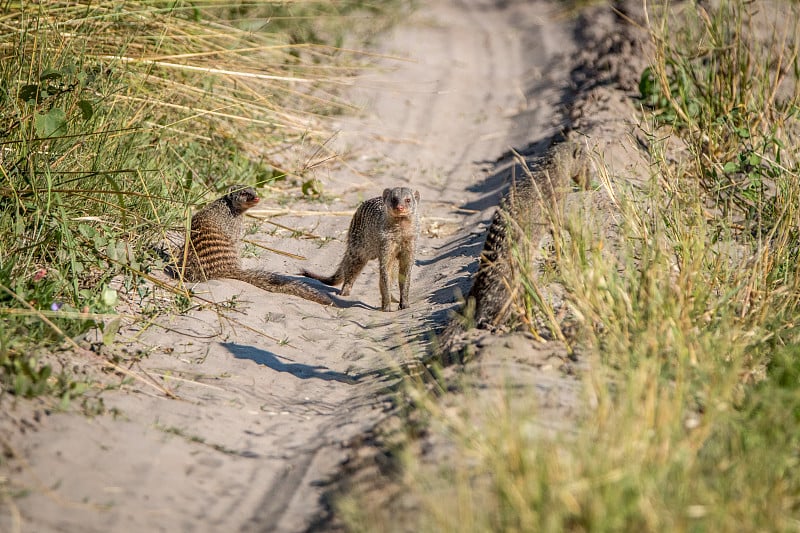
(249,200)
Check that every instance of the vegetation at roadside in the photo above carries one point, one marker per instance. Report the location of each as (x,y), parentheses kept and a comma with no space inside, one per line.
(688,318)
(116,118)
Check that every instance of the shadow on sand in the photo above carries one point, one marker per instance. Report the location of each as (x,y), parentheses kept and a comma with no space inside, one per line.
(298,370)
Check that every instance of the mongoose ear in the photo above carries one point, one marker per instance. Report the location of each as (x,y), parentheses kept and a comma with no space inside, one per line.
(387,193)
(416,195)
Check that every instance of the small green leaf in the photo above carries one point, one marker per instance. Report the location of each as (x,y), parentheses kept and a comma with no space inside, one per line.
(29,92)
(78,387)
(109,297)
(100,240)
(63,405)
(110,331)
(312,187)
(112,251)
(87,111)
(45,372)
(188,179)
(50,74)
(730,166)
(22,385)
(51,122)
(86,230)
(649,89)
(754,160)
(646,83)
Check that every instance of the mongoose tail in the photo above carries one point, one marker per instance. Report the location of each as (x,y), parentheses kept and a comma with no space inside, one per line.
(334,279)
(269,281)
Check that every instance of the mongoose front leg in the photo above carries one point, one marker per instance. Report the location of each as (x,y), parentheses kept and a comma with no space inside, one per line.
(385,270)
(404,276)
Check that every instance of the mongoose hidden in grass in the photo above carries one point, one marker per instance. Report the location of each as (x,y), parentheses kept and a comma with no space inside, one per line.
(213,248)
(384,228)
(522,216)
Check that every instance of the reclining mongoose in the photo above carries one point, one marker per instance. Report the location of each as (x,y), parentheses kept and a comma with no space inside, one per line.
(213,248)
(385,227)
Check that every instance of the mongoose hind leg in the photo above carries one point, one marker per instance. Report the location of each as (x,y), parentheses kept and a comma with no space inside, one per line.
(346,288)
(351,272)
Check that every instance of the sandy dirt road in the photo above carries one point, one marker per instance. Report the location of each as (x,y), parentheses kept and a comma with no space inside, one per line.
(271,391)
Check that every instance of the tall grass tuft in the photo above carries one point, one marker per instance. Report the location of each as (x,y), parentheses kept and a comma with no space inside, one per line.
(116,117)
(687,317)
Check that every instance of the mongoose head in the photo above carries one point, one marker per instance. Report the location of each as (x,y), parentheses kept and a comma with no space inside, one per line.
(400,201)
(241,198)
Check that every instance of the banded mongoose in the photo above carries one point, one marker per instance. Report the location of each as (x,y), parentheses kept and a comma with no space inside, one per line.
(522,215)
(213,248)
(385,227)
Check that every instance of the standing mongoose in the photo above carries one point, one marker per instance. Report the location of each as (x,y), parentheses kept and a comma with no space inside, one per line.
(385,227)
(212,250)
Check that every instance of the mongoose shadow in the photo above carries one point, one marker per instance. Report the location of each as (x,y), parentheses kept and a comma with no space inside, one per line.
(334,295)
(298,370)
(388,375)
(466,245)
(348,304)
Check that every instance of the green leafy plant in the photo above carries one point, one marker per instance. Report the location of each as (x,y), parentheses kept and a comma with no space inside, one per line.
(723,90)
